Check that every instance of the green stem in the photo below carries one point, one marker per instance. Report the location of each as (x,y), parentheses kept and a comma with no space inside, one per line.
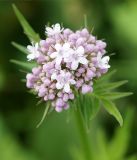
(44,115)
(85,142)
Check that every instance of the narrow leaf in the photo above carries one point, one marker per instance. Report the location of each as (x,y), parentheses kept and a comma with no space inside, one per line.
(28,30)
(44,115)
(95,107)
(111,109)
(106,77)
(89,107)
(20,47)
(25,65)
(85,21)
(115,95)
(110,86)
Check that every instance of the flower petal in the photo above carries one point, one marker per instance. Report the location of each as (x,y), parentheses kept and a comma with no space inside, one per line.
(99,56)
(30,57)
(53,76)
(80,50)
(66,46)
(37,54)
(72,81)
(54,54)
(49,31)
(58,60)
(59,85)
(58,47)
(83,60)
(67,88)
(30,48)
(105,59)
(74,65)
(57,27)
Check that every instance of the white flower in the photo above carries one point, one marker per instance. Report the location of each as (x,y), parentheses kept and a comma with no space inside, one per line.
(76,57)
(64,79)
(55,29)
(34,53)
(102,63)
(61,52)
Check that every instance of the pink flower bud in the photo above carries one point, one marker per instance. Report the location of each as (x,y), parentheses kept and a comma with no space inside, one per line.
(86,88)
(66,106)
(81,70)
(90,73)
(84,32)
(71,96)
(51,96)
(47,82)
(59,102)
(65,97)
(36,70)
(45,98)
(42,91)
(80,41)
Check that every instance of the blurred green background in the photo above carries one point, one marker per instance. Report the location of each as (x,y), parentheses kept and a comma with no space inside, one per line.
(114,21)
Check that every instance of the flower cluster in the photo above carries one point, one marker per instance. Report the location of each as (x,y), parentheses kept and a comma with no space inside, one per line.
(67,61)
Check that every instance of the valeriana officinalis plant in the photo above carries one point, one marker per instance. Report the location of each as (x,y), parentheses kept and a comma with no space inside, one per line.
(68,69)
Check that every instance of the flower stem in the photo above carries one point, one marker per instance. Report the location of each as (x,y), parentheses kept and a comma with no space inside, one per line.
(84,137)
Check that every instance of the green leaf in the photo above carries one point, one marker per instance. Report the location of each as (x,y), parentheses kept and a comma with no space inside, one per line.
(85,21)
(111,109)
(28,30)
(105,77)
(115,95)
(89,106)
(20,47)
(95,107)
(110,86)
(25,65)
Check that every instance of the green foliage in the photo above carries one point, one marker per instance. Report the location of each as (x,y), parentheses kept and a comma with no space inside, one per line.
(103,94)
(88,106)
(111,109)
(30,33)
(21,48)
(114,149)
(28,30)
(24,65)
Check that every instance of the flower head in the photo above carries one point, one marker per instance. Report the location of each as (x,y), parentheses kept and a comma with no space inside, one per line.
(66,61)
